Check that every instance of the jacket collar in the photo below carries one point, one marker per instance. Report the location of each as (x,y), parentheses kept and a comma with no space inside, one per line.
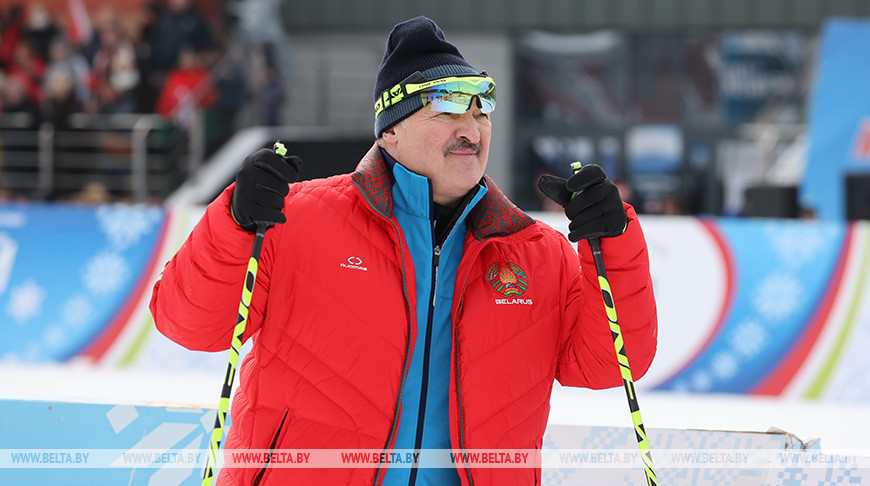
(493,216)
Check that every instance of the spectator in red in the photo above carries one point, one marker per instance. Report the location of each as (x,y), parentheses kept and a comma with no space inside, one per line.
(188,88)
(12,29)
(28,69)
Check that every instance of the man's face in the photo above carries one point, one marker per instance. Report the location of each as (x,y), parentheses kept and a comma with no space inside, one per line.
(450,149)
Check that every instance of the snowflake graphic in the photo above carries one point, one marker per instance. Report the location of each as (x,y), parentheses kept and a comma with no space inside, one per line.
(105,272)
(54,337)
(701,381)
(124,225)
(724,365)
(778,296)
(11,357)
(25,301)
(76,310)
(748,339)
(32,353)
(799,242)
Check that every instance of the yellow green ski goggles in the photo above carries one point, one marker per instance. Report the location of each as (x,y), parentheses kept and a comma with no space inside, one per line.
(452,94)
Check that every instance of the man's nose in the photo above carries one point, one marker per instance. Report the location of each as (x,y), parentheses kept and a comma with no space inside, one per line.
(468,127)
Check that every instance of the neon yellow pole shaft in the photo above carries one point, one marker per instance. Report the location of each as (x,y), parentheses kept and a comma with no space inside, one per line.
(241,322)
(622,357)
(217,433)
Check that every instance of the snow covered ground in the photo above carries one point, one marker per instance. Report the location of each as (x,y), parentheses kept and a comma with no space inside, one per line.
(838,426)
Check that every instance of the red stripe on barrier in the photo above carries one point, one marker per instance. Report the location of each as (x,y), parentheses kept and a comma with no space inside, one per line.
(727,302)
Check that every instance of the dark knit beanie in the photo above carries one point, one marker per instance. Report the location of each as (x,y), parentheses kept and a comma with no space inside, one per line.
(414,45)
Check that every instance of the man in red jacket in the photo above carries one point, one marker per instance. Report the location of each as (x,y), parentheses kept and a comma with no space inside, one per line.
(409,305)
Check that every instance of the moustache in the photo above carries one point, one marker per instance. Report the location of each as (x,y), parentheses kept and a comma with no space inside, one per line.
(462,144)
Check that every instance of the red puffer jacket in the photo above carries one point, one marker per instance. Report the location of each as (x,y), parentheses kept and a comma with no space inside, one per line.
(332,320)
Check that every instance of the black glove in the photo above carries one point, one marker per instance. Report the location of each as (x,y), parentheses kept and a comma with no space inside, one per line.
(261,184)
(595,210)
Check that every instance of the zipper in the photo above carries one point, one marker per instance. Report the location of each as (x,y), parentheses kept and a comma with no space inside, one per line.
(424,385)
(436,256)
(391,435)
(437,243)
(274,443)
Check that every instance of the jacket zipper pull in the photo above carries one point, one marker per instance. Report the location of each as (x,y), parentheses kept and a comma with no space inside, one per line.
(436,257)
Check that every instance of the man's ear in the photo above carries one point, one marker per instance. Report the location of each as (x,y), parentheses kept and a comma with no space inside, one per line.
(389,136)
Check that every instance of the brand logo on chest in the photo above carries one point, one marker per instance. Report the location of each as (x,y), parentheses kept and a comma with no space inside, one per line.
(354,263)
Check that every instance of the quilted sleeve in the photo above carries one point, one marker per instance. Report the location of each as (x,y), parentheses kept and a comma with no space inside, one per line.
(196,300)
(587,357)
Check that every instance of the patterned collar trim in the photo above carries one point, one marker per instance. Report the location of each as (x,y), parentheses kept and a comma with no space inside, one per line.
(495,215)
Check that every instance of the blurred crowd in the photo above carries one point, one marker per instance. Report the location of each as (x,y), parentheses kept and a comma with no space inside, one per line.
(164,59)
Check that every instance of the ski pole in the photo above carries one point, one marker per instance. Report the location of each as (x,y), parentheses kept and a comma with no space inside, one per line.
(621,356)
(217,432)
